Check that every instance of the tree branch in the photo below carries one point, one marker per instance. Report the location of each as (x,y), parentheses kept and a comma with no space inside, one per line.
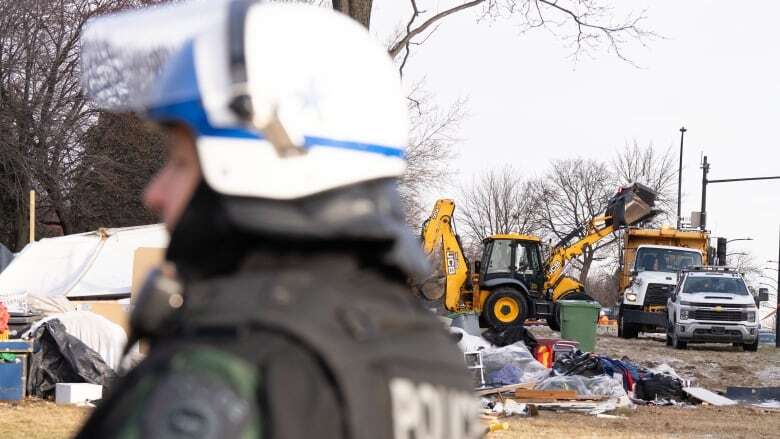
(411,33)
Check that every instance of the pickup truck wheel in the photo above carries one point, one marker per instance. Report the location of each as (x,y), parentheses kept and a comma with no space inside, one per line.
(625,329)
(750,347)
(505,307)
(677,343)
(668,338)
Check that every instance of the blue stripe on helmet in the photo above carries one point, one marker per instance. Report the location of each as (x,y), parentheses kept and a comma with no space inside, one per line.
(355,146)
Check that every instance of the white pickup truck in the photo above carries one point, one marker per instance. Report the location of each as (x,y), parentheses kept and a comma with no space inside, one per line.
(712,305)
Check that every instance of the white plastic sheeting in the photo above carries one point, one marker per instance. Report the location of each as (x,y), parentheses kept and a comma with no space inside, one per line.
(96,263)
(468,342)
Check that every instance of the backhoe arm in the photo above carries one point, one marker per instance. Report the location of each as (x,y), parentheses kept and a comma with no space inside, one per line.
(444,250)
(631,205)
(562,254)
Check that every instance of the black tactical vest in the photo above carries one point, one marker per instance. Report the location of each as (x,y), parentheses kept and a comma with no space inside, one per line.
(397,373)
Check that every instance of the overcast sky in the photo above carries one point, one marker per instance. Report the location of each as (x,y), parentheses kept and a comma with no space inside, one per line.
(716,72)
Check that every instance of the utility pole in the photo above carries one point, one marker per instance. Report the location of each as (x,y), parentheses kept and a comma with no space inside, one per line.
(777,295)
(705,169)
(679,180)
(32,216)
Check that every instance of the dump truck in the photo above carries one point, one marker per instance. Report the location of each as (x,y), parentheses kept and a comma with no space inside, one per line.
(512,281)
(650,260)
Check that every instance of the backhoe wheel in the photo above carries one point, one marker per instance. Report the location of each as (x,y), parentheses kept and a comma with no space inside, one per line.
(505,307)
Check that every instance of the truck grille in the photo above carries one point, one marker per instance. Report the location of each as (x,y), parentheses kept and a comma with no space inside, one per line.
(720,316)
(657,294)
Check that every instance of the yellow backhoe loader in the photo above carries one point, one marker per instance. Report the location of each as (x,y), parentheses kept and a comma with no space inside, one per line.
(512,282)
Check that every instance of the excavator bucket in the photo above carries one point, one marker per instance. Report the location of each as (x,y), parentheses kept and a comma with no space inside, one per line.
(632,204)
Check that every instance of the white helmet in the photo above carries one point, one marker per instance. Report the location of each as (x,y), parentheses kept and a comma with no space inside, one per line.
(285,100)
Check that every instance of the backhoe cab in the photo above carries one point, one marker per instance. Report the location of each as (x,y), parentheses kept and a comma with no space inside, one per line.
(510,276)
(512,281)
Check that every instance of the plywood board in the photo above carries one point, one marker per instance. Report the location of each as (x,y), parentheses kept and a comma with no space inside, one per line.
(709,397)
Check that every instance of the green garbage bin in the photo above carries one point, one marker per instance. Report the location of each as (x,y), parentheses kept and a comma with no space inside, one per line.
(578,322)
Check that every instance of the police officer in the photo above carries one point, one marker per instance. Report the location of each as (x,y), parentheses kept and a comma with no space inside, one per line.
(287,314)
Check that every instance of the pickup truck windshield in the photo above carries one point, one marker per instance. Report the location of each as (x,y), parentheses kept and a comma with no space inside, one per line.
(713,284)
(661,259)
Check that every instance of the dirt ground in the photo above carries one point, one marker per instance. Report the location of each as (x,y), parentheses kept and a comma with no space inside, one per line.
(713,366)
(650,423)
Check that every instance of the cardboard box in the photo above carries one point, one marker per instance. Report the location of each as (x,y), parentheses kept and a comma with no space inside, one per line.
(77,393)
(117,312)
(144,261)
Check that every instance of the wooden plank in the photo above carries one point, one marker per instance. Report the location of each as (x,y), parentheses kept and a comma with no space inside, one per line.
(578,398)
(545,394)
(709,397)
(504,389)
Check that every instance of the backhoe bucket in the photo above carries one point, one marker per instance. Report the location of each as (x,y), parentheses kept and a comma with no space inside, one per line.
(631,205)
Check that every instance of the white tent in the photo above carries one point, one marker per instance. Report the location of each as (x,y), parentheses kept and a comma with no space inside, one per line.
(89,264)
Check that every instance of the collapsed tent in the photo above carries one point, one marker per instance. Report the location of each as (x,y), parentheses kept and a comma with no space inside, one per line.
(101,335)
(94,264)
(59,357)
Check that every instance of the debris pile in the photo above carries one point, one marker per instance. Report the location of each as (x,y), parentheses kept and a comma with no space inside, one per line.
(513,379)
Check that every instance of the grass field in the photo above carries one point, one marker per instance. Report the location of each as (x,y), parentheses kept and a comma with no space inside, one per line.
(34,419)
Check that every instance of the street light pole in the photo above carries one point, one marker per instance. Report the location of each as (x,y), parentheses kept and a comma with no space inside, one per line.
(679,180)
(705,169)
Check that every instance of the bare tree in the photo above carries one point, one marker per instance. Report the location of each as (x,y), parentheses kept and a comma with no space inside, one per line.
(571,193)
(432,134)
(746,263)
(602,285)
(498,201)
(582,25)
(652,167)
(44,117)
(360,10)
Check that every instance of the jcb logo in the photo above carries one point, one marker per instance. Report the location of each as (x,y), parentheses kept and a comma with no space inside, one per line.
(424,411)
(452,263)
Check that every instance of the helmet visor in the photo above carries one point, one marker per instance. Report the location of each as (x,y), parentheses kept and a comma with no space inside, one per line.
(123,55)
